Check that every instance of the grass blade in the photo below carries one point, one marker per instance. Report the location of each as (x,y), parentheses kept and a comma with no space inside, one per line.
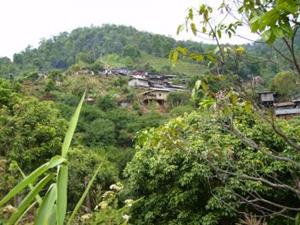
(62,176)
(30,179)
(29,199)
(71,129)
(44,212)
(38,197)
(79,203)
(24,213)
(62,189)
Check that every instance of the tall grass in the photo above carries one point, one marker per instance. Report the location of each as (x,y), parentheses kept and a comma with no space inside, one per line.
(52,207)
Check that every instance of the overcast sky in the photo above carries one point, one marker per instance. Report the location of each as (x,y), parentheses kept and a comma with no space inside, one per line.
(26,22)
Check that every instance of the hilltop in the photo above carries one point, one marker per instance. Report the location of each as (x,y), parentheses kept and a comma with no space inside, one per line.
(113,45)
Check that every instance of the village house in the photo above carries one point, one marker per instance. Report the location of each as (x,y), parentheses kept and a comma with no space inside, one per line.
(120,71)
(138,83)
(158,95)
(287,109)
(176,87)
(281,109)
(139,73)
(266,98)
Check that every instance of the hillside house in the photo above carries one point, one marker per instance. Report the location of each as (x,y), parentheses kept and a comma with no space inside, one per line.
(121,71)
(139,73)
(176,87)
(158,95)
(266,98)
(138,83)
(287,109)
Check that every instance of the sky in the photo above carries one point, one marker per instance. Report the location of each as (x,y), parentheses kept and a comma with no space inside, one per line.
(26,22)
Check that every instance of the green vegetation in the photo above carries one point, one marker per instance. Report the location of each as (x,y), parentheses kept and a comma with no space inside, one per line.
(209,156)
(285,84)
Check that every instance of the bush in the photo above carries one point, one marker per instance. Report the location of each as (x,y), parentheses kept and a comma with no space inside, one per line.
(83,163)
(100,132)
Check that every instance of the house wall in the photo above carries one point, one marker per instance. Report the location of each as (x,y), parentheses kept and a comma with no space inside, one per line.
(157,95)
(267,97)
(138,83)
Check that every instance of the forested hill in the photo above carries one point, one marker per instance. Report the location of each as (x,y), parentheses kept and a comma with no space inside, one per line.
(119,46)
(89,44)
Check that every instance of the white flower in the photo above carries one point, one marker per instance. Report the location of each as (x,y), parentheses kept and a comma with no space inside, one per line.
(9,209)
(125,217)
(129,202)
(86,217)
(107,194)
(115,187)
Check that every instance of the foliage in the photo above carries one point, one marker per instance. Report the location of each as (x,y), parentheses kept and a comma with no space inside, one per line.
(131,51)
(81,166)
(178,98)
(193,171)
(111,210)
(31,133)
(53,207)
(285,84)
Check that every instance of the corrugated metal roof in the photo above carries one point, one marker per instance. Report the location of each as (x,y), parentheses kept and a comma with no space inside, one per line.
(281,104)
(279,112)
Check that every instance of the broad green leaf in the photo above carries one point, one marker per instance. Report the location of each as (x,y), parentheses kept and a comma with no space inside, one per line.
(255,23)
(71,129)
(287,29)
(278,32)
(270,18)
(219,33)
(266,35)
(196,56)
(182,50)
(287,5)
(191,14)
(30,179)
(211,58)
(29,199)
(174,56)
(47,206)
(202,9)
(79,203)
(179,29)
(194,28)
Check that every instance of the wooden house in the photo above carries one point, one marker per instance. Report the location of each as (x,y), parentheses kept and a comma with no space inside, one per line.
(158,95)
(138,83)
(266,98)
(287,109)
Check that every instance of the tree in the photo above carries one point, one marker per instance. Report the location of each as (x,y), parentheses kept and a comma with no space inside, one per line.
(82,165)
(285,84)
(131,51)
(31,133)
(193,171)
(100,132)
(277,21)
